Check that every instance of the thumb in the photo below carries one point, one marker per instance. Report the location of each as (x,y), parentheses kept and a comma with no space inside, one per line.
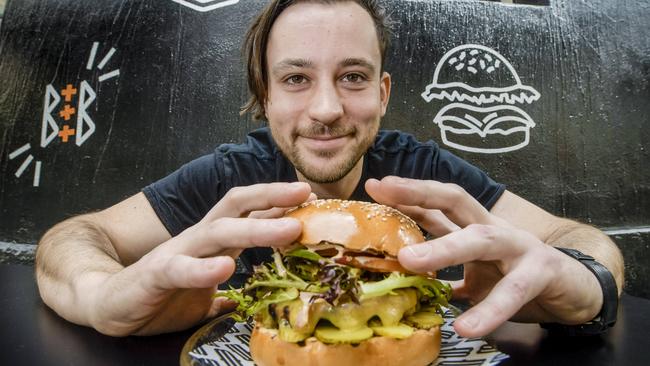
(459,290)
(182,271)
(220,305)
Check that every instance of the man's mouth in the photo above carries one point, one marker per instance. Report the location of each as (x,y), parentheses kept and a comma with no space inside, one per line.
(323,142)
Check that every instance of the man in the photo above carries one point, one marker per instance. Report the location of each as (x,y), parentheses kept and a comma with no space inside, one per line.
(150,263)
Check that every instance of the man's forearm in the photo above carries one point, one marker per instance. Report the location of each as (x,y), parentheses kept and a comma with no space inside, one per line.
(71,259)
(593,242)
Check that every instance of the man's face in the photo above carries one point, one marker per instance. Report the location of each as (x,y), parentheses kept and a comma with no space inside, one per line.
(326,93)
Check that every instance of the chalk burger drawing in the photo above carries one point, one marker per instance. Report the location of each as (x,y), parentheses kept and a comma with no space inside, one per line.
(479,118)
(206,5)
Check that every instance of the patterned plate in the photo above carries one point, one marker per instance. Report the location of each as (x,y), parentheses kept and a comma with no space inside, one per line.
(223,342)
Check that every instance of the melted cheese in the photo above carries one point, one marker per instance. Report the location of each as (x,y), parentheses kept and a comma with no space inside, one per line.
(390,309)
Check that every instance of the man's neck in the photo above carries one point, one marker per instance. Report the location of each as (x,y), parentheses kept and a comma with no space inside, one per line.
(341,189)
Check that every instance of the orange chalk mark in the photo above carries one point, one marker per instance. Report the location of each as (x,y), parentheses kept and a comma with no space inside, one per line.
(67,111)
(66,133)
(68,92)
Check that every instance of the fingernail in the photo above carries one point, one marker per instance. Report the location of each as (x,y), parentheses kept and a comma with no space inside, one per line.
(418,250)
(469,320)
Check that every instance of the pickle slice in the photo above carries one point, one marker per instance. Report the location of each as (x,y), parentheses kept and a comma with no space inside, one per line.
(287,333)
(399,331)
(330,334)
(424,319)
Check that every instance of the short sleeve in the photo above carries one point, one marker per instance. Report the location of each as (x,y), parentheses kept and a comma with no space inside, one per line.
(449,168)
(182,198)
(401,154)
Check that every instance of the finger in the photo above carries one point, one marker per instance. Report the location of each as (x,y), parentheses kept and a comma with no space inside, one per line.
(508,296)
(235,233)
(220,305)
(454,202)
(268,214)
(276,211)
(458,290)
(433,221)
(473,243)
(181,271)
(240,201)
(374,189)
(479,279)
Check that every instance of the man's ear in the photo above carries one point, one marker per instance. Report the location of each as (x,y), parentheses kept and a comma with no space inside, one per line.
(384,91)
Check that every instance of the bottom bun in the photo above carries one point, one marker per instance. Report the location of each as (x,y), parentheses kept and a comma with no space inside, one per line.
(420,349)
(490,143)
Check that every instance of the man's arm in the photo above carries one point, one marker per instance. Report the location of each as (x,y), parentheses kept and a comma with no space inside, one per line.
(120,272)
(561,232)
(73,256)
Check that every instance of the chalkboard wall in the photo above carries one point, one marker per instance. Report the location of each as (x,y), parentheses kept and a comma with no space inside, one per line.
(99,98)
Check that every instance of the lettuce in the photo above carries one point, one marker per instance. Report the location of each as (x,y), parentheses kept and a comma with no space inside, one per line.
(249,306)
(304,270)
(430,290)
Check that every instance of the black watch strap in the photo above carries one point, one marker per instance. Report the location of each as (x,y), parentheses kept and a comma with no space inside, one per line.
(607,316)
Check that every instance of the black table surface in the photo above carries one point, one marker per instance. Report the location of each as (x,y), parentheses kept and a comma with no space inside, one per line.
(32,334)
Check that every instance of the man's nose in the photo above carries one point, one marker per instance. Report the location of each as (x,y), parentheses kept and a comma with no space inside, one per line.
(326,106)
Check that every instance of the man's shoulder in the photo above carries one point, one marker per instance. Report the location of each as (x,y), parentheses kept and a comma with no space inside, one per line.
(258,144)
(395,141)
(256,160)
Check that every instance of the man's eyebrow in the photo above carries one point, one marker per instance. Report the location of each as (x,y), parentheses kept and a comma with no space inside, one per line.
(358,62)
(291,63)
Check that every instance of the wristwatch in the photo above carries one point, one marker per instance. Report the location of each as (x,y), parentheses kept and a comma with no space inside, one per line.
(607,316)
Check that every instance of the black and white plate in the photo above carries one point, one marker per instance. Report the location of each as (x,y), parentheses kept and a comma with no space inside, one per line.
(223,342)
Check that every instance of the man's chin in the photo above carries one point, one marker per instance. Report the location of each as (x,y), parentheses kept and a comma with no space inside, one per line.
(325,164)
(321,176)
(323,169)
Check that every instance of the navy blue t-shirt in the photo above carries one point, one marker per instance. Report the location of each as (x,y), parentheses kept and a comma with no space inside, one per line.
(182,199)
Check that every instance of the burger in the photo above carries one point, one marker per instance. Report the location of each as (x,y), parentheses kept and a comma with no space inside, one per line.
(485,97)
(338,295)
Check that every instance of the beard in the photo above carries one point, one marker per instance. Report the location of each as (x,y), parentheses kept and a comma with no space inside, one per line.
(340,163)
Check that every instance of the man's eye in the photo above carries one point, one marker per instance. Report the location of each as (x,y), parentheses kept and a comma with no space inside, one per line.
(295,80)
(354,78)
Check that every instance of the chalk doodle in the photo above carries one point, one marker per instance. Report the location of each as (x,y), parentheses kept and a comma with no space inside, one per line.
(205,5)
(59,111)
(483,92)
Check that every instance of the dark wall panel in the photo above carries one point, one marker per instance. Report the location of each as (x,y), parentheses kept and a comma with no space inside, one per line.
(556,98)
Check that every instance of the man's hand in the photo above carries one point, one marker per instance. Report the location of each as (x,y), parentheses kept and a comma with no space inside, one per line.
(509,272)
(172,287)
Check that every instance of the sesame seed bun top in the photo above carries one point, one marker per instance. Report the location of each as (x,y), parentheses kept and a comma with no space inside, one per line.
(358,226)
